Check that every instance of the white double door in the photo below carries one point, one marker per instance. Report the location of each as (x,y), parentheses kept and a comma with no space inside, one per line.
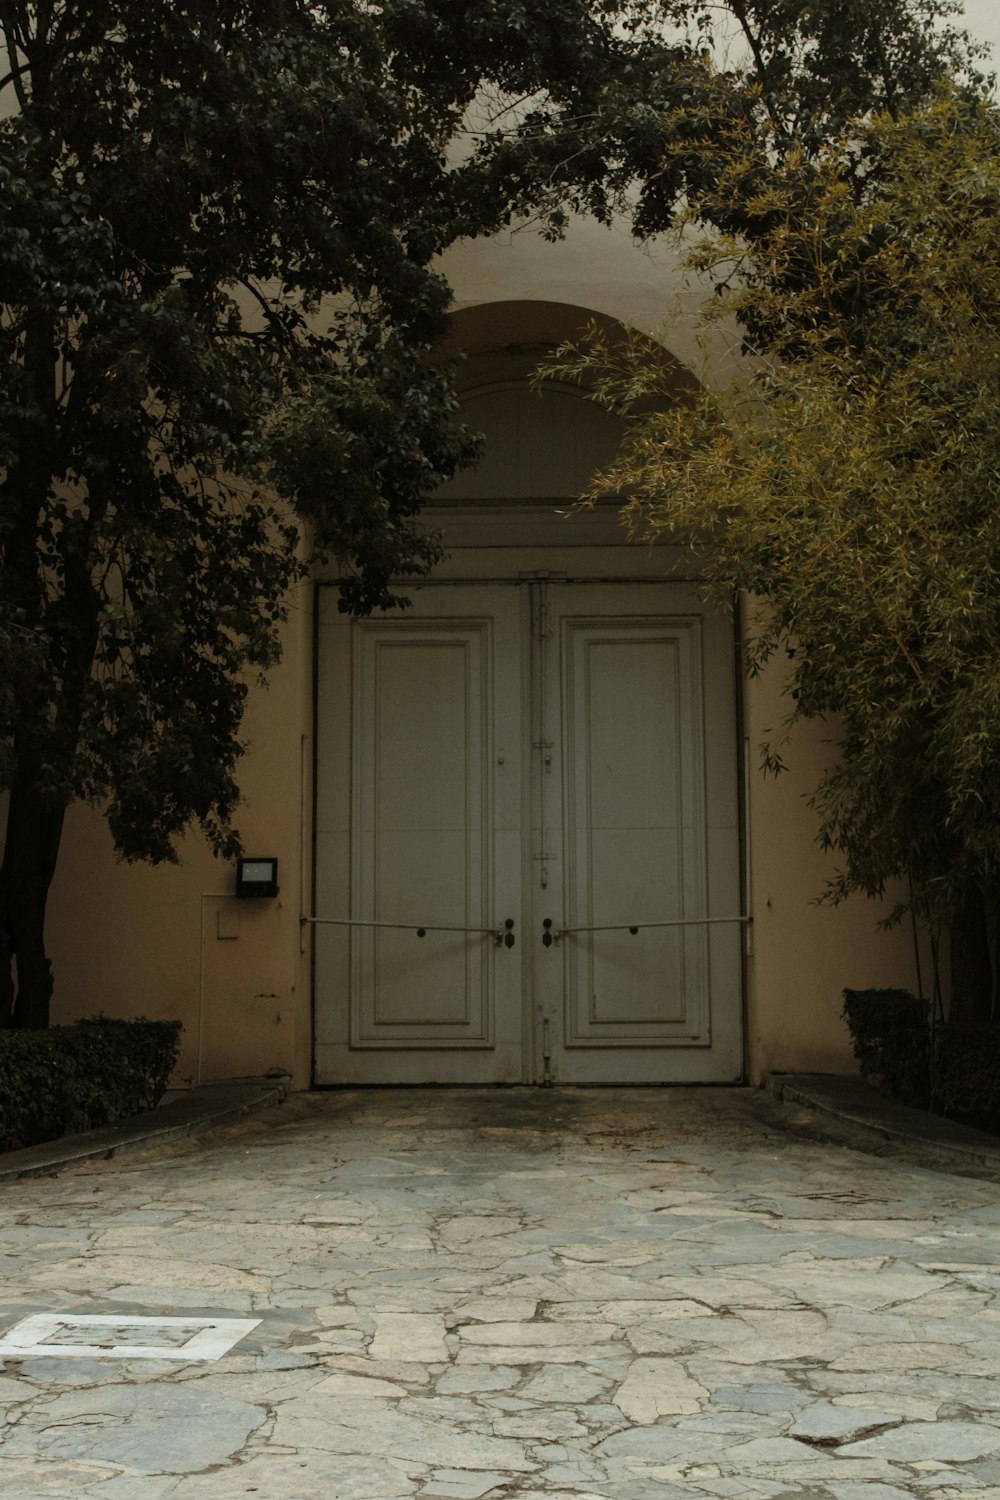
(527,846)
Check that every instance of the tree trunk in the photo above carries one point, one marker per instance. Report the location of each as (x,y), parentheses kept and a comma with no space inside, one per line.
(34,829)
(973,944)
(34,816)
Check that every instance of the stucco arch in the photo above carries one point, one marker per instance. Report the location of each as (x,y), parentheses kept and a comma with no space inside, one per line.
(542,443)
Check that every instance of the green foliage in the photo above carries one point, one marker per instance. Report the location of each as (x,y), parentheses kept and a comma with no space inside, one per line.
(951,1069)
(712,92)
(219,286)
(218,305)
(71,1078)
(851,485)
(891,1035)
(967,1075)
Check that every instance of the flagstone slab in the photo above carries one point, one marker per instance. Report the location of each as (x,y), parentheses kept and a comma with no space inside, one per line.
(159,1427)
(163,1271)
(347,1425)
(944,1441)
(538,1354)
(343,1383)
(497,1309)
(910,1356)
(538,1335)
(465,1229)
(318,1476)
(825,1423)
(463,1380)
(457,1484)
(409,1372)
(416,1338)
(899,1406)
(566,1384)
(864,1491)
(655,1388)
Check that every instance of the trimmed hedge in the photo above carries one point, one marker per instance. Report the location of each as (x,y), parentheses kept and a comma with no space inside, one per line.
(891,1033)
(71,1078)
(967,1075)
(952,1070)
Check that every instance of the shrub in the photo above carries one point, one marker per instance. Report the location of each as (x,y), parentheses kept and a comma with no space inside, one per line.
(891,1034)
(69,1078)
(967,1075)
(953,1070)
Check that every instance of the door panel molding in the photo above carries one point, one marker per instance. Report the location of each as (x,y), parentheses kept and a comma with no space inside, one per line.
(423,844)
(418,812)
(634,831)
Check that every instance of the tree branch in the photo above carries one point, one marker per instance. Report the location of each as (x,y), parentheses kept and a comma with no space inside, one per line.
(14,45)
(760,62)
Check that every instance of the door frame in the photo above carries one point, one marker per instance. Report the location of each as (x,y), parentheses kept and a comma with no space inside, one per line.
(517,544)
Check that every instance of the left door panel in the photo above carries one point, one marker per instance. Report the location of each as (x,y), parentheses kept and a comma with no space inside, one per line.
(418,849)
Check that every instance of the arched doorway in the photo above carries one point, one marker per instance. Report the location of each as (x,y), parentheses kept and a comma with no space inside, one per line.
(527,821)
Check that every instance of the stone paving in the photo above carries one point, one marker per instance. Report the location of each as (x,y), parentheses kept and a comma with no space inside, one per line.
(572,1294)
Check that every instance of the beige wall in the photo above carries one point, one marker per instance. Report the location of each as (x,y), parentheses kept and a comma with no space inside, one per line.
(803,954)
(172,942)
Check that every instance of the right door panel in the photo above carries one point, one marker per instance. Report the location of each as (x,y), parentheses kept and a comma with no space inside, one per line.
(649,839)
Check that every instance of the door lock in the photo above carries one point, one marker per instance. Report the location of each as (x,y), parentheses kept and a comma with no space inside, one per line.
(548,936)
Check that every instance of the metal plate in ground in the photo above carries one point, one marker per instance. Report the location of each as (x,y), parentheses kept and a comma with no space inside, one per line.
(104,1336)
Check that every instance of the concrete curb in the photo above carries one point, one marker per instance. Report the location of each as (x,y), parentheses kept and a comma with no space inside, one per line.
(855,1103)
(190,1111)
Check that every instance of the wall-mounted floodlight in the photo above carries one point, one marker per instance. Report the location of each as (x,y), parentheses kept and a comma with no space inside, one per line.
(256,877)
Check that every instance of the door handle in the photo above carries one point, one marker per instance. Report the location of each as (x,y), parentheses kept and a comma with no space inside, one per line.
(548,936)
(508,938)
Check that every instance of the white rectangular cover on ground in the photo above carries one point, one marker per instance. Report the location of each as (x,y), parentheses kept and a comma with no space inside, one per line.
(109,1336)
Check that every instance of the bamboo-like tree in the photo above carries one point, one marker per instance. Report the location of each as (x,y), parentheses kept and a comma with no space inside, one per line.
(850,488)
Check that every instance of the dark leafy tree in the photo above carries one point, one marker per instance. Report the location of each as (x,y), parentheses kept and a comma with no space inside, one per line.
(218,223)
(716,96)
(218,237)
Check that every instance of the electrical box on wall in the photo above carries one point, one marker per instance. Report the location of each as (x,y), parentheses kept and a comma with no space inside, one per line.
(256,877)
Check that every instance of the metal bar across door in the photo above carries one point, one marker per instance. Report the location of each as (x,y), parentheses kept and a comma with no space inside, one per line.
(635,926)
(501,935)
